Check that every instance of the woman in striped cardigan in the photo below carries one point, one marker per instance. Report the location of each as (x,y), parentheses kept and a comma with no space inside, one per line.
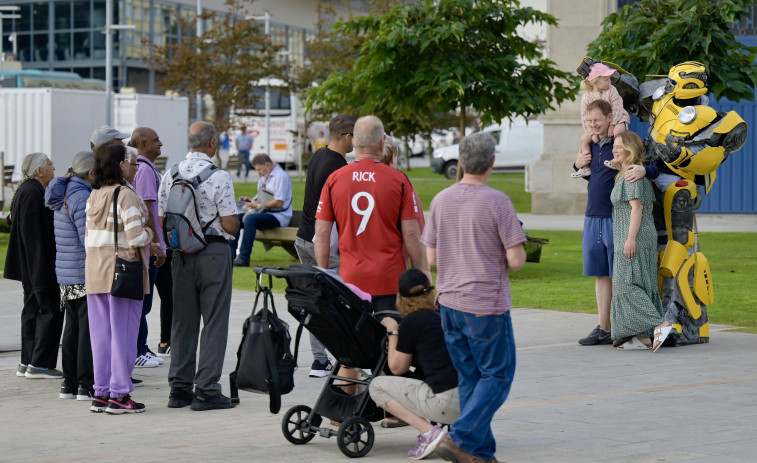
(114,321)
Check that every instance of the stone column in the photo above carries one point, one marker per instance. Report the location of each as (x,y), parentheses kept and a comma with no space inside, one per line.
(552,189)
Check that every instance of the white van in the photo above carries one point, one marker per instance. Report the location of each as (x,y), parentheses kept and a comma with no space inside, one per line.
(518,144)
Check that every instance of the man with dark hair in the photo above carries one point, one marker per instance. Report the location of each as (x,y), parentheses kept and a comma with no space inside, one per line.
(272,207)
(323,163)
(473,236)
(202,281)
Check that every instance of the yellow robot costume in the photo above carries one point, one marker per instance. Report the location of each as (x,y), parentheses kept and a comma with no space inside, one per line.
(688,140)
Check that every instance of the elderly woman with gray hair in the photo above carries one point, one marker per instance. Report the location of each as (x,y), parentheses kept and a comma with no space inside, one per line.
(31,260)
(67,196)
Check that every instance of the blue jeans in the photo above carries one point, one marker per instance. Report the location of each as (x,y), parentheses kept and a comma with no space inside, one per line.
(246,156)
(483,351)
(146,307)
(251,224)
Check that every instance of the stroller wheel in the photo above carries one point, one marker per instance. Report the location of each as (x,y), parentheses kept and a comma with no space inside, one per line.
(355,437)
(296,427)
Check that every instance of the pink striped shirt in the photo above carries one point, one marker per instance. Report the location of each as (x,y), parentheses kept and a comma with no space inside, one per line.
(471,226)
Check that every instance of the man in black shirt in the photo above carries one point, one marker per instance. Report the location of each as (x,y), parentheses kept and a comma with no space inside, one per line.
(325,161)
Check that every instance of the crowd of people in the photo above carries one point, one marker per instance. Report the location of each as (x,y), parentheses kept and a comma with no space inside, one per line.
(363,219)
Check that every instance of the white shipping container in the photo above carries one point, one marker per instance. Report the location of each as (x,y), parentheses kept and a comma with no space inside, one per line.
(57,122)
(167,116)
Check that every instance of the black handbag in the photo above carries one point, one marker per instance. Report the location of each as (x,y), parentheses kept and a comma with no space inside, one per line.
(127,278)
(265,363)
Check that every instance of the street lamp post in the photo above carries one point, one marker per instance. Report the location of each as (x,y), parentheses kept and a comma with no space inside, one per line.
(267,19)
(108,31)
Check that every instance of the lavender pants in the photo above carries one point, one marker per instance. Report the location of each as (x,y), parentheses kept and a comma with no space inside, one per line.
(113,329)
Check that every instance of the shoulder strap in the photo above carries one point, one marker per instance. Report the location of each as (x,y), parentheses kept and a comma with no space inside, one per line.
(115,218)
(154,172)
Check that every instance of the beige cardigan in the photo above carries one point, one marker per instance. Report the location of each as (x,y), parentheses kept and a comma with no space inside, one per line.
(133,236)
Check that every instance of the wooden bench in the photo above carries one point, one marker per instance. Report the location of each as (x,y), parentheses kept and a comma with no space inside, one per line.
(8,176)
(234,162)
(285,236)
(281,236)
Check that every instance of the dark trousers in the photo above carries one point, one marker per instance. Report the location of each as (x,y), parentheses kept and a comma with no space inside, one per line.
(41,327)
(202,293)
(164,286)
(146,308)
(76,349)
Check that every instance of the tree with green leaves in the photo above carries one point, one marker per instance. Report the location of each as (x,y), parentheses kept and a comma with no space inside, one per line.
(651,36)
(223,62)
(436,56)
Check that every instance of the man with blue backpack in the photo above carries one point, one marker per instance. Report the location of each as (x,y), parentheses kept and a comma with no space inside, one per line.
(198,211)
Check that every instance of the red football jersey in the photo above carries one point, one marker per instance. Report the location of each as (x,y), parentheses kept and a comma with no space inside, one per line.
(367,200)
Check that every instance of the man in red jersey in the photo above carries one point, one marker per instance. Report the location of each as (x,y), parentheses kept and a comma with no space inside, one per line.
(375,213)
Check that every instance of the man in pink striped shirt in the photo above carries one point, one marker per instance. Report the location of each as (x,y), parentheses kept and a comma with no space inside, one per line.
(474,238)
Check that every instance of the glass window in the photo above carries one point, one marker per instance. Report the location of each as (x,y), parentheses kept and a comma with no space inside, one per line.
(98,73)
(82,18)
(98,14)
(98,43)
(24,48)
(40,44)
(25,22)
(40,14)
(63,46)
(62,15)
(84,72)
(82,43)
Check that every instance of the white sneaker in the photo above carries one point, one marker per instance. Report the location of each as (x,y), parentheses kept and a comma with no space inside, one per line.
(154,357)
(143,361)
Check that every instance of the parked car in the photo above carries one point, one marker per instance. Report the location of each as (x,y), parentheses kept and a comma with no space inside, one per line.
(518,144)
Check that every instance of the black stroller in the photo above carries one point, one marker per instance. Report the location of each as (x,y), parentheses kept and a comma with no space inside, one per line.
(344,323)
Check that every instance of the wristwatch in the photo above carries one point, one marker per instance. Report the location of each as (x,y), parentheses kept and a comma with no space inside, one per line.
(390,333)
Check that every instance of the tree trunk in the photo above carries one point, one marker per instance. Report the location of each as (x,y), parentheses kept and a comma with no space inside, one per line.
(462,134)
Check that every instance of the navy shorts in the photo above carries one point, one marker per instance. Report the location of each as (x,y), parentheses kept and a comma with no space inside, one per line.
(598,252)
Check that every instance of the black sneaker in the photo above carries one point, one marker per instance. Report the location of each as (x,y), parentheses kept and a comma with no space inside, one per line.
(42,373)
(164,351)
(135,381)
(99,404)
(214,402)
(239,262)
(85,393)
(180,398)
(21,371)
(596,337)
(125,405)
(319,370)
(67,391)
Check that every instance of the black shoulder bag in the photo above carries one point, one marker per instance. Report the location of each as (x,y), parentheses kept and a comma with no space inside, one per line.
(127,278)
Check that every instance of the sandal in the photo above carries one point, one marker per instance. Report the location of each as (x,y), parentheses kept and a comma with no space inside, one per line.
(633,344)
(612,165)
(660,335)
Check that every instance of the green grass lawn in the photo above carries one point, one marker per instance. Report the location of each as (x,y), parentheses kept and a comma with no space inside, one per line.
(556,282)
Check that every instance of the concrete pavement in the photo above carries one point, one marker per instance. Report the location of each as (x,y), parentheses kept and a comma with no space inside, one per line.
(569,403)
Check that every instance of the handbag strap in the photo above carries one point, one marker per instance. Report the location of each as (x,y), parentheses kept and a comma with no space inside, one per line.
(115,225)
(115,219)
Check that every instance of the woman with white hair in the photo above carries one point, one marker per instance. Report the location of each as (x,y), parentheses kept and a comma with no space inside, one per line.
(31,260)
(67,196)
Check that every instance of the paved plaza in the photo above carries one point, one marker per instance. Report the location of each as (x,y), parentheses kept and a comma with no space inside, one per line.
(569,403)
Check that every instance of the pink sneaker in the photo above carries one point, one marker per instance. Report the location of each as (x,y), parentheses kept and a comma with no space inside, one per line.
(427,443)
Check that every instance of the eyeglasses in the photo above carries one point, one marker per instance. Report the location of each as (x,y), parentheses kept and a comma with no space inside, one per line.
(135,164)
(348,133)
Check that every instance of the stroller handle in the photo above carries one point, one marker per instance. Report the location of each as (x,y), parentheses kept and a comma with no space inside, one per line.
(280,272)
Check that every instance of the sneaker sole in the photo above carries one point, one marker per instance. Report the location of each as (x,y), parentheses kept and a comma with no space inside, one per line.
(21,375)
(147,366)
(122,411)
(178,403)
(318,373)
(206,407)
(68,396)
(38,376)
(94,409)
(83,397)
